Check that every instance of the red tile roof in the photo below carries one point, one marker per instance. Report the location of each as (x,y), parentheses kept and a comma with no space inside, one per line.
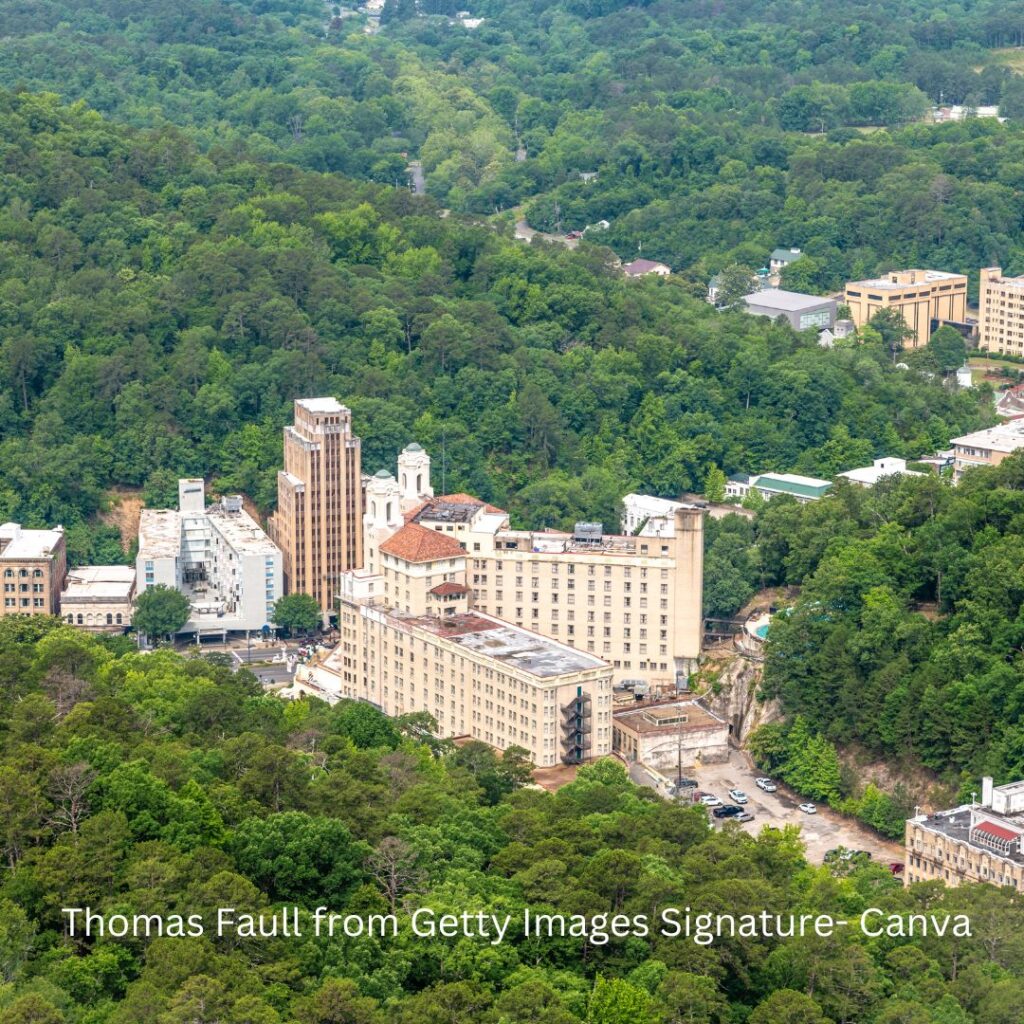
(444,589)
(992,829)
(416,543)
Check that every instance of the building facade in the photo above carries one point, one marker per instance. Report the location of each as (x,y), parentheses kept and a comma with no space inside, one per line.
(33,564)
(217,556)
(802,311)
(632,600)
(924,298)
(986,447)
(771,485)
(317,524)
(868,476)
(478,676)
(1000,313)
(669,737)
(971,843)
(98,598)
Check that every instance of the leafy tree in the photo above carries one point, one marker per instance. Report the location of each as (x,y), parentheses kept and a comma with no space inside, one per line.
(297,612)
(160,611)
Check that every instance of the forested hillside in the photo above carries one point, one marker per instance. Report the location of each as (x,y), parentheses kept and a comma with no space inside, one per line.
(162,308)
(153,784)
(907,634)
(717,131)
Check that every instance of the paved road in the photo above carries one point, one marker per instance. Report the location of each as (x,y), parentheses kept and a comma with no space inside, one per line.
(419,182)
(525,234)
(821,832)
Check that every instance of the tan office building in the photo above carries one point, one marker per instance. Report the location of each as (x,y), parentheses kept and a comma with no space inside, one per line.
(1000,313)
(920,296)
(976,842)
(318,522)
(33,564)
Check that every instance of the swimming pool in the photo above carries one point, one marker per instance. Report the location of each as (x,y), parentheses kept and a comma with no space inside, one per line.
(762,631)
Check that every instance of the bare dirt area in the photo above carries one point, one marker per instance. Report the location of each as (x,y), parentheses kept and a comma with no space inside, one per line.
(123,514)
(554,778)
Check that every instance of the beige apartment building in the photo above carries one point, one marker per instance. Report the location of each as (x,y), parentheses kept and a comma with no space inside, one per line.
(33,564)
(971,843)
(318,522)
(1000,313)
(920,296)
(986,447)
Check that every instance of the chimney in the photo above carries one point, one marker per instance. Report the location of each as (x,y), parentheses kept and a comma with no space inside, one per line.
(986,791)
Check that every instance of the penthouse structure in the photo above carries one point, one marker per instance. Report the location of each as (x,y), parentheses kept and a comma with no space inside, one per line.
(33,564)
(970,843)
(924,298)
(1000,313)
(218,557)
(317,524)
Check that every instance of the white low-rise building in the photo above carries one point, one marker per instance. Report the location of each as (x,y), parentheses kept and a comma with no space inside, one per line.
(98,598)
(218,557)
(868,476)
(986,447)
(672,736)
(770,485)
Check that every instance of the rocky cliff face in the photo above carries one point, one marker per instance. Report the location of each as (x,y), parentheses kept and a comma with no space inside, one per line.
(730,683)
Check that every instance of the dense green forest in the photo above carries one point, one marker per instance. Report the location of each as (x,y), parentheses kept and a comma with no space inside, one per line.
(161,308)
(907,632)
(717,131)
(156,784)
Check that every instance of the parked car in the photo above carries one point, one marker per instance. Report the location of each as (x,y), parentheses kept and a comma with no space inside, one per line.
(727,811)
(808,808)
(686,783)
(574,234)
(744,816)
(841,855)
(896,867)
(766,784)
(710,800)
(737,796)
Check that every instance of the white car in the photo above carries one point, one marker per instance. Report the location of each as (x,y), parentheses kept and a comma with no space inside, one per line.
(737,796)
(808,808)
(766,784)
(710,800)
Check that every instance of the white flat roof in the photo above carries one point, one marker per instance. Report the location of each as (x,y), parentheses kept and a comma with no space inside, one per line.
(885,282)
(241,531)
(110,581)
(159,533)
(320,405)
(29,543)
(1006,437)
(869,475)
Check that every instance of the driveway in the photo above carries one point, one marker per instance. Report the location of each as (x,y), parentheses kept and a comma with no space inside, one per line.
(820,832)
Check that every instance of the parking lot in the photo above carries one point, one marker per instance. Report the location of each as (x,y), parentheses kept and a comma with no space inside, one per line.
(821,831)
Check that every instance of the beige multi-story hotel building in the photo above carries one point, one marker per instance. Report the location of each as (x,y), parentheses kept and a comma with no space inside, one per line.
(971,843)
(920,296)
(510,636)
(33,564)
(1000,313)
(318,522)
